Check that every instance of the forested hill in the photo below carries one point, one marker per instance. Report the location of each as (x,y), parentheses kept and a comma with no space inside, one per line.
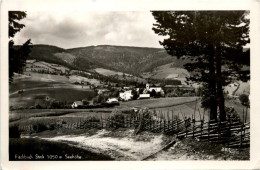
(57,55)
(132,60)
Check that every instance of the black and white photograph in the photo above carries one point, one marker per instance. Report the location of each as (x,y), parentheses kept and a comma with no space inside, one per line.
(129,85)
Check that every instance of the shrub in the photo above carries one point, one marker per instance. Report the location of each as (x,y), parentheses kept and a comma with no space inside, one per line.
(51,126)
(153,93)
(244,99)
(93,119)
(118,119)
(55,105)
(31,107)
(37,106)
(232,114)
(40,127)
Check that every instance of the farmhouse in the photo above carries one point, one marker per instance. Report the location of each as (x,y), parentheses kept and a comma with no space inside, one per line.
(127,95)
(112,101)
(77,104)
(150,89)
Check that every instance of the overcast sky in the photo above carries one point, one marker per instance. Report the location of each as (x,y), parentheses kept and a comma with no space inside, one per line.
(80,28)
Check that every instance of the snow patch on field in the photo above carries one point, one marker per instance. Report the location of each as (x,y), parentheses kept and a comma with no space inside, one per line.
(126,148)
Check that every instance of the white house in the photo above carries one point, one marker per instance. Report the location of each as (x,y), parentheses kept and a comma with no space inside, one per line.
(144,96)
(77,104)
(157,89)
(149,89)
(127,95)
(112,100)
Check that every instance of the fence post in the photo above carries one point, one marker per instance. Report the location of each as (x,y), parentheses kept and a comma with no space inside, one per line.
(243,116)
(150,123)
(168,128)
(201,127)
(229,132)
(164,122)
(178,125)
(246,114)
(185,122)
(131,120)
(193,120)
(218,130)
(101,122)
(160,121)
(208,130)
(152,126)
(241,134)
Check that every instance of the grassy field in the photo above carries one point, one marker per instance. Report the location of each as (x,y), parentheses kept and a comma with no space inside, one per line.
(56,114)
(37,86)
(169,71)
(158,102)
(182,106)
(75,78)
(184,110)
(107,72)
(22,114)
(36,80)
(37,96)
(129,77)
(51,67)
(34,147)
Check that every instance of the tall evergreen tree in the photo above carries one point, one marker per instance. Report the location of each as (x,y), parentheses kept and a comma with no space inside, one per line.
(17,55)
(214,41)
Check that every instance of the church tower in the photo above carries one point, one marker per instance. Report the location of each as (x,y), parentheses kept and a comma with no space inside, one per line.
(147,87)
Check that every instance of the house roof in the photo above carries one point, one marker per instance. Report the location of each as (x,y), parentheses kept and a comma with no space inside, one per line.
(112,99)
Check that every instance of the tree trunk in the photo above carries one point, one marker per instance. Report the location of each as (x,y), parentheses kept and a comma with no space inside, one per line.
(220,95)
(212,86)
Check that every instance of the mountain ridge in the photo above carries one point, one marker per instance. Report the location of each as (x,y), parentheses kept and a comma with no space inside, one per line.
(128,59)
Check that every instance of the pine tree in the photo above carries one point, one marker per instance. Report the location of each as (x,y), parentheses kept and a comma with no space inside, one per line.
(213,41)
(17,55)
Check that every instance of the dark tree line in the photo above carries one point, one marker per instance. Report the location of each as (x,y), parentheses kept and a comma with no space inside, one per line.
(17,54)
(214,41)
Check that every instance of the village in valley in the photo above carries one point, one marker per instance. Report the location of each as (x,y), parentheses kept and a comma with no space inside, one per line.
(120,102)
(109,92)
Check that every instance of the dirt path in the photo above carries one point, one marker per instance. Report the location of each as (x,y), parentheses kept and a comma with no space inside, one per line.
(126,147)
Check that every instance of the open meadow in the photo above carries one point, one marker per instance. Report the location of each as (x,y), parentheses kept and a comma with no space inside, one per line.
(37,87)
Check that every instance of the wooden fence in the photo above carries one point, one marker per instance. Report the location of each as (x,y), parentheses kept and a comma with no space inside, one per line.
(232,133)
